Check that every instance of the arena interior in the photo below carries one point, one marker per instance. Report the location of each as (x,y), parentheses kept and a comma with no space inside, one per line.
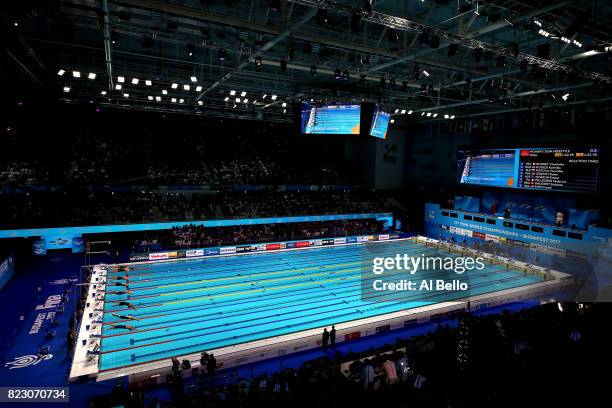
(305,203)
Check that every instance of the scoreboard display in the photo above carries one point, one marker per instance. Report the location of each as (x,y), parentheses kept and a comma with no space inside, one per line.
(380,124)
(553,169)
(339,119)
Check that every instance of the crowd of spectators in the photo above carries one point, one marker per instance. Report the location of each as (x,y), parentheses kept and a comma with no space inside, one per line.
(537,356)
(86,208)
(197,236)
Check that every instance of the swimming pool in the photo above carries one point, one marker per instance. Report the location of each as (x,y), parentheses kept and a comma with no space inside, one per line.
(187,306)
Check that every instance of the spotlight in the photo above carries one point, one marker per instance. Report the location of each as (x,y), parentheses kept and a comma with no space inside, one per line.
(120,79)
(264,96)
(232,92)
(198,88)
(226,98)
(243,94)
(173,100)
(564,97)
(435,115)
(237,100)
(135,81)
(103,93)
(165,91)
(322,16)
(91,75)
(66,89)
(284,104)
(452,117)
(186,87)
(150,97)
(403,111)
(396,110)
(193,79)
(61,72)
(245,100)
(174,85)
(118,87)
(76,74)
(148,82)
(126,95)
(181,100)
(425,73)
(158,98)
(428,114)
(313,70)
(273,97)
(446,116)
(410,112)
(200,103)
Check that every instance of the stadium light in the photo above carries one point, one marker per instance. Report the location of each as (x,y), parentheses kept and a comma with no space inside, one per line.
(126,95)
(173,100)
(135,81)
(66,89)
(165,91)
(76,74)
(237,100)
(181,100)
(148,82)
(422,113)
(564,97)
(410,112)
(200,103)
(452,117)
(118,87)
(392,121)
(397,110)
(446,116)
(186,87)
(284,105)
(243,94)
(120,79)
(194,79)
(103,93)
(174,85)
(234,107)
(232,92)
(274,97)
(403,111)
(264,96)
(226,98)
(428,114)
(158,98)
(150,97)
(425,73)
(92,75)
(284,110)
(61,72)
(198,88)
(435,115)
(246,100)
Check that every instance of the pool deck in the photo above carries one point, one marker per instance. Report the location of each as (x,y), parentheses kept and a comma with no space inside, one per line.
(86,364)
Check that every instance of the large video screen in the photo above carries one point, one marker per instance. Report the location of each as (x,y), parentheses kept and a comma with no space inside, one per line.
(380,124)
(554,169)
(336,119)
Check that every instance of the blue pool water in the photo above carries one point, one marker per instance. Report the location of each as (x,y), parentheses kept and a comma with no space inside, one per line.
(189,306)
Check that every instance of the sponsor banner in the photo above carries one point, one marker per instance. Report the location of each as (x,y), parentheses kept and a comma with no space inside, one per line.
(444,227)
(383,237)
(291,245)
(194,252)
(258,247)
(453,230)
(241,249)
(212,251)
(272,247)
(316,242)
(228,250)
(339,240)
(352,336)
(139,257)
(302,244)
(394,236)
(478,235)
(158,255)
(363,239)
(492,238)
(327,241)
(351,240)
(173,254)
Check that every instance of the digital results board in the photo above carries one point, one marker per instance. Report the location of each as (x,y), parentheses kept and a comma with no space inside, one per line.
(380,124)
(554,169)
(331,119)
